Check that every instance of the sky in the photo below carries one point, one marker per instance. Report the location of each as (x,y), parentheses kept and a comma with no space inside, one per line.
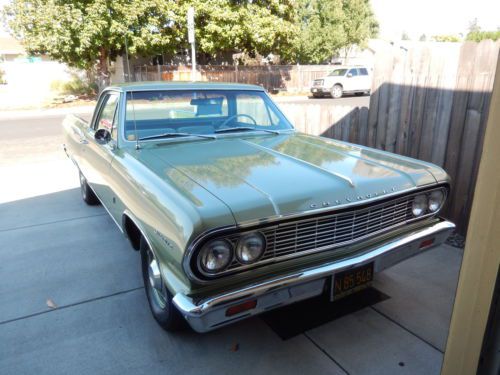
(430,17)
(434,17)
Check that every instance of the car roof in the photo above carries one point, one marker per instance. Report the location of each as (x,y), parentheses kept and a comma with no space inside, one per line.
(181,85)
(347,66)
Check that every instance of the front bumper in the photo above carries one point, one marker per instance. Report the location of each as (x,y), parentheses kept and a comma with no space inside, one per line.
(210,313)
(319,90)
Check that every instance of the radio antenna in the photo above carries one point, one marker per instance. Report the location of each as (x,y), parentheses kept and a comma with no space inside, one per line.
(126,56)
(137,145)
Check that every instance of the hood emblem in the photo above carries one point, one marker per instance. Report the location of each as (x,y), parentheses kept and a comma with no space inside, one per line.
(337,202)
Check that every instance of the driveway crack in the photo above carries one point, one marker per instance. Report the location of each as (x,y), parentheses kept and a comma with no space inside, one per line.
(52,222)
(406,329)
(325,352)
(71,305)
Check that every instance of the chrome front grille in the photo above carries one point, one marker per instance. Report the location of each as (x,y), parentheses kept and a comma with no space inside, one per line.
(318,82)
(333,231)
(297,237)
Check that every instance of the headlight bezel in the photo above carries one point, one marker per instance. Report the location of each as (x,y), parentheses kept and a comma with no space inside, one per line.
(428,211)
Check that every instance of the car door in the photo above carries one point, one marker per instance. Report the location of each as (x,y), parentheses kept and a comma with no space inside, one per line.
(352,80)
(364,79)
(96,157)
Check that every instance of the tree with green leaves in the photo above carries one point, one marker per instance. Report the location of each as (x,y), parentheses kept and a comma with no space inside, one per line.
(359,24)
(327,26)
(475,33)
(88,34)
(446,38)
(321,30)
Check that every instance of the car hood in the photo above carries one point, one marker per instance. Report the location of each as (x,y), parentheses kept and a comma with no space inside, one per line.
(265,177)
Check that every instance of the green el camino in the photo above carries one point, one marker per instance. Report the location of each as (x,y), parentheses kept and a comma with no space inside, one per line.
(234,212)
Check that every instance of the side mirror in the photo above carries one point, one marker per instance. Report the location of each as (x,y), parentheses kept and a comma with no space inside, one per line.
(102,136)
(349,75)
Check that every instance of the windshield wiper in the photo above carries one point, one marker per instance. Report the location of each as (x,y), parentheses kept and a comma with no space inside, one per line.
(175,135)
(245,128)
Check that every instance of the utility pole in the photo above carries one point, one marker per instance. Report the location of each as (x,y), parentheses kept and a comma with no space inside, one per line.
(190,23)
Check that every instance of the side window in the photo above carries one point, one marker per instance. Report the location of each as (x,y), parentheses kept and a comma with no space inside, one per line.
(363,72)
(106,118)
(353,72)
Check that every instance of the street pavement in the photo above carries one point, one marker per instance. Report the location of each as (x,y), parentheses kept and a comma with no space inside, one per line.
(60,252)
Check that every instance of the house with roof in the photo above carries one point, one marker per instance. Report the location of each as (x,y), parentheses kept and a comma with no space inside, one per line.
(10,49)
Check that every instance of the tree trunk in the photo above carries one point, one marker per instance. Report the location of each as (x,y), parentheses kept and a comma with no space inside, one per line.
(347,53)
(102,70)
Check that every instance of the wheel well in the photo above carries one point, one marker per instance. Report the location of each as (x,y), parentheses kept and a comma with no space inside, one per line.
(338,84)
(132,231)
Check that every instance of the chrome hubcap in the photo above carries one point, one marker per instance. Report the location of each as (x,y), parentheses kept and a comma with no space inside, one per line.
(82,186)
(155,280)
(154,275)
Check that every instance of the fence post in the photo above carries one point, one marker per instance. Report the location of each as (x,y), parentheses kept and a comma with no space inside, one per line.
(159,72)
(299,74)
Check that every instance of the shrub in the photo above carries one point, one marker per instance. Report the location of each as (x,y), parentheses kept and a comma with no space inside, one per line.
(76,86)
(80,87)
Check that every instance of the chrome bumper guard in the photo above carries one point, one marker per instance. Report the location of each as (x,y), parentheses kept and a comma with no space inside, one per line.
(210,313)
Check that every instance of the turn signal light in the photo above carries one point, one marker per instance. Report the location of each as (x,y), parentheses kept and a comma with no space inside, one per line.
(426,243)
(245,306)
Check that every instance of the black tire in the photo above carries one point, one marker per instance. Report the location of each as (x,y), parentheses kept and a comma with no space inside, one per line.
(160,302)
(337,91)
(88,194)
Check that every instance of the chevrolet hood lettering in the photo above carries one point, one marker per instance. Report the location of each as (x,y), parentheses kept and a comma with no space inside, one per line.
(272,176)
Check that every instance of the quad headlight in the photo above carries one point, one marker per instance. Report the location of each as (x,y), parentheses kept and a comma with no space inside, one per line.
(428,203)
(250,248)
(436,200)
(419,205)
(215,256)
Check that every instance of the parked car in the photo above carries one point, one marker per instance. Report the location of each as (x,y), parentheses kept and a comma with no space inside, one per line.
(234,212)
(342,80)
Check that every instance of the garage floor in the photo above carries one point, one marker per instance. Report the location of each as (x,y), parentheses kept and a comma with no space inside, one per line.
(57,251)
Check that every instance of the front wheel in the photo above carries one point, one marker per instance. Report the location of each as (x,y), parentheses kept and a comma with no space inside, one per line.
(337,91)
(159,298)
(88,194)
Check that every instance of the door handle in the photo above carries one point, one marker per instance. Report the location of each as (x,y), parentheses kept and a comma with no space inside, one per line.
(84,141)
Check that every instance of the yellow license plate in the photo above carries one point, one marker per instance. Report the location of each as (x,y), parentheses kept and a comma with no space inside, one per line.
(351,281)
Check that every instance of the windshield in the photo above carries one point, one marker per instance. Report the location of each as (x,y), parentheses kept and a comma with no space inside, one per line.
(338,72)
(199,112)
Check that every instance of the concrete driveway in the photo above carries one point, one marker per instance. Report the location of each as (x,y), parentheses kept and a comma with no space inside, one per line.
(57,251)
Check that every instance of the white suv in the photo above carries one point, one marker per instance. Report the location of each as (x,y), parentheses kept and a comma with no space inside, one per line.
(343,79)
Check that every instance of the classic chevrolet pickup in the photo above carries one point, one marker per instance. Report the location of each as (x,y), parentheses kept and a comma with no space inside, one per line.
(234,212)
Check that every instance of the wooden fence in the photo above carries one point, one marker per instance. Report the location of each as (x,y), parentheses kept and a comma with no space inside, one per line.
(291,78)
(429,102)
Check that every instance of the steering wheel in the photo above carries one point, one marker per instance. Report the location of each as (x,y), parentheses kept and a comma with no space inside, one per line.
(236,116)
